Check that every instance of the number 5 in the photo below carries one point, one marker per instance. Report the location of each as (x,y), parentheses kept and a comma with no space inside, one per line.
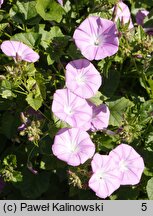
(144,206)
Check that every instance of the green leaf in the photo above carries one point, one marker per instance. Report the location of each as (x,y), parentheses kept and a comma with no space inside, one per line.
(58,43)
(49,163)
(41,83)
(110,82)
(148,21)
(56,32)
(127,193)
(97,98)
(59,123)
(5,84)
(9,124)
(2,27)
(8,94)
(24,12)
(117,108)
(150,81)
(35,101)
(50,10)
(150,188)
(46,36)
(31,82)
(30,70)
(33,186)
(31,38)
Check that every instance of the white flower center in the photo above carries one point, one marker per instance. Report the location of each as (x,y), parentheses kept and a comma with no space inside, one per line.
(80,79)
(72,147)
(98,40)
(68,110)
(101,174)
(123,166)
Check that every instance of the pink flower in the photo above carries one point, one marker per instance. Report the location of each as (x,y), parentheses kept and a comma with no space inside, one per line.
(19,51)
(82,78)
(1,2)
(73,146)
(123,14)
(72,109)
(141,14)
(100,117)
(105,179)
(96,38)
(129,162)
(60,2)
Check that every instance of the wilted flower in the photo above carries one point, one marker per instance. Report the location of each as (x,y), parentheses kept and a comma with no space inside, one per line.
(141,14)
(70,108)
(82,78)
(105,179)
(1,2)
(19,51)
(30,167)
(123,14)
(129,162)
(73,146)
(100,117)
(96,38)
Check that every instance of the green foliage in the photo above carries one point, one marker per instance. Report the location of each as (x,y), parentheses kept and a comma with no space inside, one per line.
(30,38)
(117,108)
(150,189)
(24,12)
(49,10)
(33,186)
(7,169)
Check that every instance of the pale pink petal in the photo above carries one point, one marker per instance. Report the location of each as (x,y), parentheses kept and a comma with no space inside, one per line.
(70,108)
(82,78)
(123,14)
(105,179)
(10,48)
(130,163)
(100,117)
(73,146)
(22,51)
(91,36)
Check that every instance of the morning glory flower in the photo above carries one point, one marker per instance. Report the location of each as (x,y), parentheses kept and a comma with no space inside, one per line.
(73,146)
(140,16)
(19,51)
(123,14)
(100,117)
(129,162)
(1,2)
(82,78)
(71,108)
(105,179)
(96,38)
